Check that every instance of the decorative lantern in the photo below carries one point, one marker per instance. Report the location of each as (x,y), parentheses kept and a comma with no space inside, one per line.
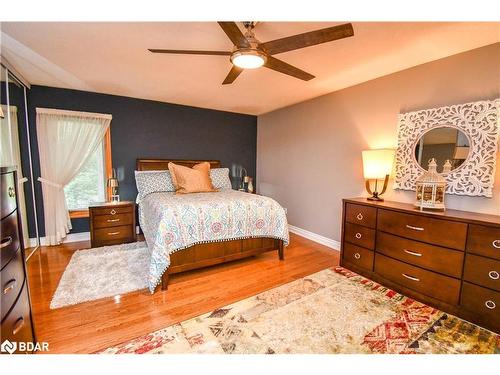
(431,188)
(447,166)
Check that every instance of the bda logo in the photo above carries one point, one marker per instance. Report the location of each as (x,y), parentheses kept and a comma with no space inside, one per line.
(8,347)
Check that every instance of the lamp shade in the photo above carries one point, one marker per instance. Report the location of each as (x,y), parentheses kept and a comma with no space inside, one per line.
(377,163)
(113,182)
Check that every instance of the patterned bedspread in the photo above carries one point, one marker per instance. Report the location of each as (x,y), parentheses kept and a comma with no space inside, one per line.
(174,222)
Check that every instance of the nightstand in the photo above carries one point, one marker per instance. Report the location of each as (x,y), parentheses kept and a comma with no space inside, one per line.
(112,223)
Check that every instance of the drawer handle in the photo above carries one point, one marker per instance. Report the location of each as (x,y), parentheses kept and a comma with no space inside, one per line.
(113,220)
(113,212)
(358,235)
(18,325)
(410,277)
(360,216)
(113,233)
(6,242)
(412,253)
(490,304)
(357,256)
(12,192)
(493,275)
(496,244)
(420,229)
(9,286)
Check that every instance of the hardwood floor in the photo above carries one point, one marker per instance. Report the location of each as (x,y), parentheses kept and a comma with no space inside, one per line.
(91,326)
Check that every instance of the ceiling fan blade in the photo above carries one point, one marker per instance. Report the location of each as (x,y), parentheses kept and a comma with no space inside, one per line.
(311,38)
(283,67)
(190,52)
(232,75)
(235,34)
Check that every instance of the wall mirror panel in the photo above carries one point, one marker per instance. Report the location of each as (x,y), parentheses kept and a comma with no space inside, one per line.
(443,144)
(464,134)
(15,151)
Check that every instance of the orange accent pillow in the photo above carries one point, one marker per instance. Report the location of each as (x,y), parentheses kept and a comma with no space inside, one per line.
(191,180)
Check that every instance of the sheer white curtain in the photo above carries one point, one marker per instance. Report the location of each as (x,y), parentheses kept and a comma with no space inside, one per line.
(66,139)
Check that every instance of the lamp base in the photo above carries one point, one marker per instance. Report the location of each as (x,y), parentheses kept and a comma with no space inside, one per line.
(375,193)
(375,198)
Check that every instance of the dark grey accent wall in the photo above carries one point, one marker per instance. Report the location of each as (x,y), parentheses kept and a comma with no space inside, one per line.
(149,129)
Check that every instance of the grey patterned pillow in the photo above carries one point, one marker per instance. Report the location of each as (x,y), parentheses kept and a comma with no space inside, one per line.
(151,182)
(220,178)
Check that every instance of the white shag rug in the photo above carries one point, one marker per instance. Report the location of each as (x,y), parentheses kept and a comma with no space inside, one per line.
(102,272)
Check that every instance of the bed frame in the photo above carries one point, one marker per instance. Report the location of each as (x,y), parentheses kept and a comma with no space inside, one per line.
(209,254)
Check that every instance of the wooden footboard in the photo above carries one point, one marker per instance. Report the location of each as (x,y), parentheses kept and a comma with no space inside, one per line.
(208,254)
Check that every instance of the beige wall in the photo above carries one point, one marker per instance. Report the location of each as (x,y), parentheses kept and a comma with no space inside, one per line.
(309,154)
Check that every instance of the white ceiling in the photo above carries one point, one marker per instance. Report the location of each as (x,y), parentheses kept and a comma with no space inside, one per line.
(112,58)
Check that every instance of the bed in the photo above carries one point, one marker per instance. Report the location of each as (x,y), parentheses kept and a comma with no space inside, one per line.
(190,231)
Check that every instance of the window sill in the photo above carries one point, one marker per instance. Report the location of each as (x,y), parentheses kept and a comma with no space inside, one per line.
(78,214)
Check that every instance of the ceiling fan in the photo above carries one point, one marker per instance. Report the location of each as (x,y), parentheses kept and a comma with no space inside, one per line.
(250,53)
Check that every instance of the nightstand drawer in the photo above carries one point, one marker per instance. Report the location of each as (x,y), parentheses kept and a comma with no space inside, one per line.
(109,235)
(108,221)
(114,210)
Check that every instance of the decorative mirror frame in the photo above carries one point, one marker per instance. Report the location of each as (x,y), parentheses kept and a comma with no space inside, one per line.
(479,121)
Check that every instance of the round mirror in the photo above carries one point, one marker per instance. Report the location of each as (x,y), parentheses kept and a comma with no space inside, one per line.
(443,144)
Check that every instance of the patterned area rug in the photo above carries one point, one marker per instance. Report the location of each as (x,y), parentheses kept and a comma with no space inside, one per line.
(332,311)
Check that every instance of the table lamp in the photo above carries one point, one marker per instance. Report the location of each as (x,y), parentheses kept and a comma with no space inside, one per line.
(377,165)
(113,184)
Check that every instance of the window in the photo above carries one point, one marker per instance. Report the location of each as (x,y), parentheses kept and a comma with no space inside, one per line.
(89,185)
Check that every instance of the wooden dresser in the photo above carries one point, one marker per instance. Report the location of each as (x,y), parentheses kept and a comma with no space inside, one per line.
(15,305)
(112,223)
(449,260)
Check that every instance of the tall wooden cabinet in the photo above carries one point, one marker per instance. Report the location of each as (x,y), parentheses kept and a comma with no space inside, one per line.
(449,260)
(15,306)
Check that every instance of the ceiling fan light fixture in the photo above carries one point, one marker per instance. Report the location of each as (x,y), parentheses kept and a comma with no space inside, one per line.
(248,59)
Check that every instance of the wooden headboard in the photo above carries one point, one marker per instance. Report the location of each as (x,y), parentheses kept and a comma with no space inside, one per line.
(162,164)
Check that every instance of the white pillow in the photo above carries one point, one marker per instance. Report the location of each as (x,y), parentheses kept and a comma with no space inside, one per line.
(220,178)
(151,182)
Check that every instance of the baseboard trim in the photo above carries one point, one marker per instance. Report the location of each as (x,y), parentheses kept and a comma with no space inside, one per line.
(333,244)
(70,237)
(85,236)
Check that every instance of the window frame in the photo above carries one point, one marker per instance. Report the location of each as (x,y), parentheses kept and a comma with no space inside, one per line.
(108,167)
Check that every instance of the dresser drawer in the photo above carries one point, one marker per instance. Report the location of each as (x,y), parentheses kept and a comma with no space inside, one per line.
(9,242)
(435,231)
(482,271)
(358,256)
(107,221)
(481,301)
(443,288)
(113,210)
(362,215)
(431,257)
(17,324)
(359,235)
(12,279)
(484,241)
(8,194)
(108,236)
